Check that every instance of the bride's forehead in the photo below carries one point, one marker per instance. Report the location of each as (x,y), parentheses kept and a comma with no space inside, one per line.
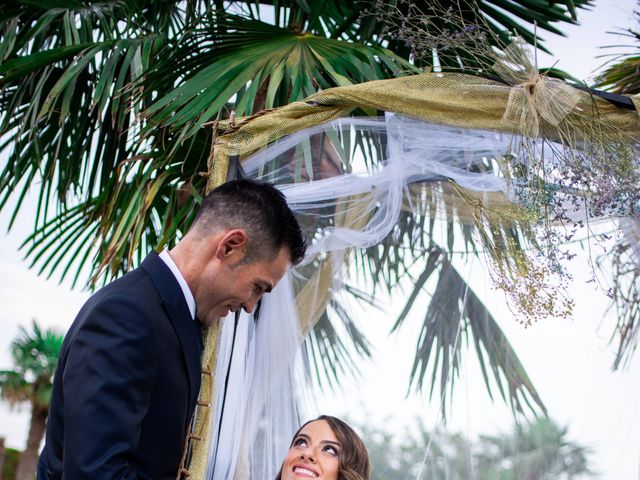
(318,430)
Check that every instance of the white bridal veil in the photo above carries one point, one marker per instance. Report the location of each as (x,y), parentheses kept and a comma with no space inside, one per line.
(348,181)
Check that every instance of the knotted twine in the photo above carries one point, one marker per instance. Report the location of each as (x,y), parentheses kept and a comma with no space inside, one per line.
(533,95)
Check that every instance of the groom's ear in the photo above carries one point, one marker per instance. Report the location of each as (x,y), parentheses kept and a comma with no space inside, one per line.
(232,245)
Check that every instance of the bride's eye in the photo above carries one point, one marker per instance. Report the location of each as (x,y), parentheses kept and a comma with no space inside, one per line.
(332,450)
(299,442)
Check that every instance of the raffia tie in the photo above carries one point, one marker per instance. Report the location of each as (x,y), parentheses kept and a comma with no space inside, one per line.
(533,96)
(199,438)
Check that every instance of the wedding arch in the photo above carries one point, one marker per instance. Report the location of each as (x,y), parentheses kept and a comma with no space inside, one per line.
(518,164)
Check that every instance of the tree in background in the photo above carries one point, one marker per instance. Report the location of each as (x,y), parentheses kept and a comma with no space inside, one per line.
(35,356)
(536,451)
(445,455)
(10,464)
(533,451)
(103,111)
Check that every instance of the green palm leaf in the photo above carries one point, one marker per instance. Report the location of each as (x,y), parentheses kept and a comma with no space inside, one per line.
(622,74)
(239,56)
(87,87)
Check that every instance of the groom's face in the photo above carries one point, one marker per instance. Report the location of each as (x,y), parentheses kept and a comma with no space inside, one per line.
(238,284)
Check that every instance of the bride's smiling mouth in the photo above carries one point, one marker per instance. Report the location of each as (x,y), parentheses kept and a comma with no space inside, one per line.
(305,471)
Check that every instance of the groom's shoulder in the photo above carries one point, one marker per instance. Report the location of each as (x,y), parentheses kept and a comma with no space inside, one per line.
(132,284)
(134,296)
(134,289)
(139,281)
(129,300)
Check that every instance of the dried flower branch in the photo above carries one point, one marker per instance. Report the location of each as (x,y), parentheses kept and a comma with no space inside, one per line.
(565,168)
(455,36)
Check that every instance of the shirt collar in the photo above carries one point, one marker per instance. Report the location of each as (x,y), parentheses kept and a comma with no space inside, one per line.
(188,296)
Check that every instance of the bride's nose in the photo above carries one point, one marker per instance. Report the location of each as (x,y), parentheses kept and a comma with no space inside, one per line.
(307,454)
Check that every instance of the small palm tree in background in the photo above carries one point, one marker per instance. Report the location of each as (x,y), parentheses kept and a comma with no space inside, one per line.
(35,356)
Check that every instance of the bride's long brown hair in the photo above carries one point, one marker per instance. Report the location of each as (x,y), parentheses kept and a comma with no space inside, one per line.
(354,458)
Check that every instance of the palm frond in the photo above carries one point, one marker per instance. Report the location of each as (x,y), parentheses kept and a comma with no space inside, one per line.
(86,111)
(37,351)
(14,389)
(622,74)
(502,19)
(66,117)
(335,344)
(622,77)
(139,210)
(35,356)
(248,58)
(454,316)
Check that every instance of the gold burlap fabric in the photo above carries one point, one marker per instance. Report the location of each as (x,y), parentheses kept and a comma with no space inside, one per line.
(444,98)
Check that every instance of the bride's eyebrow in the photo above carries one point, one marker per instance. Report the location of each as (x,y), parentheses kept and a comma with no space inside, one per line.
(330,442)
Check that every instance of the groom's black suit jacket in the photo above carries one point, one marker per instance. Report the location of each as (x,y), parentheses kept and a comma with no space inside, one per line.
(127,382)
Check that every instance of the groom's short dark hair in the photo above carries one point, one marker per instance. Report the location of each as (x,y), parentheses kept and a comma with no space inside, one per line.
(261,210)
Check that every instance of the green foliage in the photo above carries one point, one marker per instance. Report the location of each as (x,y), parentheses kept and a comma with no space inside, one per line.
(35,356)
(622,74)
(11,459)
(622,77)
(455,317)
(539,450)
(103,104)
(103,110)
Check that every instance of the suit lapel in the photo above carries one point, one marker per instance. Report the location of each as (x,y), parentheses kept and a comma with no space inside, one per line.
(188,330)
(190,338)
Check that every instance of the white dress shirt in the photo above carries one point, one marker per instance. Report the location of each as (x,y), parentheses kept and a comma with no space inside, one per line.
(188,296)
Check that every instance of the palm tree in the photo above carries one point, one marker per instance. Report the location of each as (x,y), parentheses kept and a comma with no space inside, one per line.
(35,356)
(104,104)
(622,74)
(104,101)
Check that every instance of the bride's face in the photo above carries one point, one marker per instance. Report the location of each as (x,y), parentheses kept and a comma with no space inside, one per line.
(314,453)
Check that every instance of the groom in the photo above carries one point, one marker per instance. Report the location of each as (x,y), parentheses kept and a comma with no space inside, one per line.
(129,371)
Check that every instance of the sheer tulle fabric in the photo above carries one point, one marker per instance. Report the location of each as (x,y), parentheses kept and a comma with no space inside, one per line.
(347,181)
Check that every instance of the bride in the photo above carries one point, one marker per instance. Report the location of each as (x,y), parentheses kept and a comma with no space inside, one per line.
(326,448)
